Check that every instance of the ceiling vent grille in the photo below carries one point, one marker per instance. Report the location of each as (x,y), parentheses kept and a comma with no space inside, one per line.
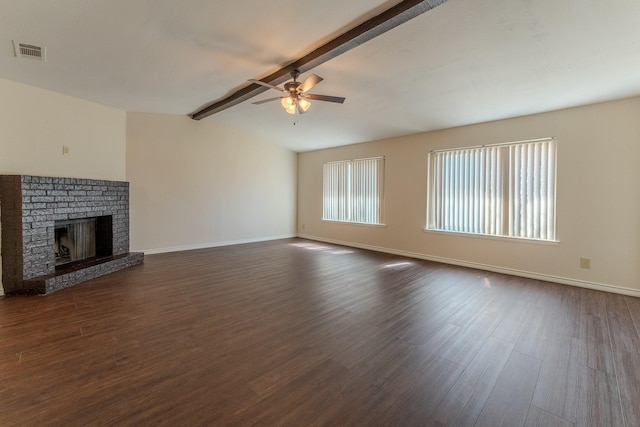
(26,50)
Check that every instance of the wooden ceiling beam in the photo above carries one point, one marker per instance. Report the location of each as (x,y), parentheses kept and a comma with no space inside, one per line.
(379,24)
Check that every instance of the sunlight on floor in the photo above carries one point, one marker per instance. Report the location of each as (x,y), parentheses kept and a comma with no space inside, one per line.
(316,247)
(487,282)
(397,264)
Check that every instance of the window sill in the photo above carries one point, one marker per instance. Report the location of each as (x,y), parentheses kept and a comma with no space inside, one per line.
(496,238)
(354,223)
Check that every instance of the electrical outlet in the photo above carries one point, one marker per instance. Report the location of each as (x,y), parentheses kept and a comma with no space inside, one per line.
(65,150)
(585,263)
(303,226)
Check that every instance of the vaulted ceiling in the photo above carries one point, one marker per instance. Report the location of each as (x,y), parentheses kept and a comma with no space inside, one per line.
(463,62)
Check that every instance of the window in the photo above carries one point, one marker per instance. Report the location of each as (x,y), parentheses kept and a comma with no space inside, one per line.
(499,190)
(353,190)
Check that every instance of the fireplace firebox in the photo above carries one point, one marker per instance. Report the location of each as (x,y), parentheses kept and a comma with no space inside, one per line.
(82,239)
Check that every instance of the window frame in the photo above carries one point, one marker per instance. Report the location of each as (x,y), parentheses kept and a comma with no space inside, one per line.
(508,175)
(353,190)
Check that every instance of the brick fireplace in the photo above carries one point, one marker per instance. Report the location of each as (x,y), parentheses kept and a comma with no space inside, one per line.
(34,210)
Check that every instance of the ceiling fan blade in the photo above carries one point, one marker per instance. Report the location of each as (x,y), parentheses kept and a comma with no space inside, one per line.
(265,84)
(310,82)
(327,98)
(267,100)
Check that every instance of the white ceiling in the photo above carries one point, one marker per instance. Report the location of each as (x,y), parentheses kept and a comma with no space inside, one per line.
(463,62)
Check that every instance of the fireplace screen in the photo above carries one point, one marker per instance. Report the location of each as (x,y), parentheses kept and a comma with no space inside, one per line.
(82,239)
(75,240)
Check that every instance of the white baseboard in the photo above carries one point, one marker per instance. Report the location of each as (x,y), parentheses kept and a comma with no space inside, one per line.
(487,267)
(212,244)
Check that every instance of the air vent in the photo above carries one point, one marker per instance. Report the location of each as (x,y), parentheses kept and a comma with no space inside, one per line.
(26,50)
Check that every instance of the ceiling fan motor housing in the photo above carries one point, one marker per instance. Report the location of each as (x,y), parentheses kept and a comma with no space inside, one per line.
(291,87)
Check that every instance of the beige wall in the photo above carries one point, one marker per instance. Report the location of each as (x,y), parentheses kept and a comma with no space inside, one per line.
(36,123)
(598,202)
(199,184)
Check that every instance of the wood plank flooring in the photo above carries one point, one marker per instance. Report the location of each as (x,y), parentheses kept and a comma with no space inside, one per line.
(299,333)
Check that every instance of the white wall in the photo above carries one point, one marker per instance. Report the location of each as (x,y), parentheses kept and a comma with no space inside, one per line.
(598,202)
(199,184)
(36,123)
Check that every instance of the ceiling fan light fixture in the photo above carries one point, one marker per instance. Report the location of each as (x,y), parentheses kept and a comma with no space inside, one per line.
(292,102)
(287,101)
(291,109)
(304,104)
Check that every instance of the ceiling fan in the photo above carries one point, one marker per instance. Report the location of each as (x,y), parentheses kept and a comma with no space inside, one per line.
(296,98)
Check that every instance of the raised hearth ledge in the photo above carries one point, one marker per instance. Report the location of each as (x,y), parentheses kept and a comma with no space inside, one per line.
(87,271)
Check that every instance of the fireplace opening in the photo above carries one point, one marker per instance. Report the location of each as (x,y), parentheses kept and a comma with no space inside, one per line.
(82,239)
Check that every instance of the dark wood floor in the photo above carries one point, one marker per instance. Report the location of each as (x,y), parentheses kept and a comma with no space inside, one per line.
(298,333)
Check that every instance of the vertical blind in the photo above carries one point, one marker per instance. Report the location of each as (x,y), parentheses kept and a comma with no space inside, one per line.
(532,179)
(502,190)
(337,191)
(353,190)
